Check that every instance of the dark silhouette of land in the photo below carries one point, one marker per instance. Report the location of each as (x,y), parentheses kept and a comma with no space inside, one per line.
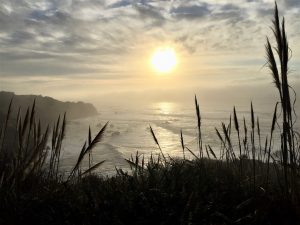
(47,108)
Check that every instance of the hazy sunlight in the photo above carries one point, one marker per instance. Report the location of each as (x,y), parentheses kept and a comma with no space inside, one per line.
(164,60)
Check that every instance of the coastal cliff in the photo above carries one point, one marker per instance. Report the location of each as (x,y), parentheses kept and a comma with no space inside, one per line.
(46,108)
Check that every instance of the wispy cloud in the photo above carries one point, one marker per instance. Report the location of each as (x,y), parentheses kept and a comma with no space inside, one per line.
(191,11)
(97,38)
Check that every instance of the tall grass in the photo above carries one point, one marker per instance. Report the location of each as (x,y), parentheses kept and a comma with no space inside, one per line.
(249,148)
(28,156)
(243,184)
(290,162)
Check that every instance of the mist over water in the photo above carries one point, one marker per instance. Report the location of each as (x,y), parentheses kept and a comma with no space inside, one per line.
(128,130)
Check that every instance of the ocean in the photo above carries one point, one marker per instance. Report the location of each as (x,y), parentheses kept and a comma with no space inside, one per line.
(128,131)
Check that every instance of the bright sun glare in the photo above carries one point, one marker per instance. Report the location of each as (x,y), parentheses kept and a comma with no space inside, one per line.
(164,60)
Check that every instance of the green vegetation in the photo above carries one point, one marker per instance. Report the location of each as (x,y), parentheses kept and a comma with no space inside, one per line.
(247,184)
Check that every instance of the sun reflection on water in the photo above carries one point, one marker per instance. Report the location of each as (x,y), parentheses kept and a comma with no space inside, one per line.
(166,108)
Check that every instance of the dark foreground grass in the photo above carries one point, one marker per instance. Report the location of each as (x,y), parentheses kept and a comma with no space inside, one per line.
(180,192)
(249,182)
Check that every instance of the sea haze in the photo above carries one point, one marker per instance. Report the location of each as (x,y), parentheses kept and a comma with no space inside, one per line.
(128,130)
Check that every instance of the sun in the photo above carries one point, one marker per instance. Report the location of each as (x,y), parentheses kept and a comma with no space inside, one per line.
(164,60)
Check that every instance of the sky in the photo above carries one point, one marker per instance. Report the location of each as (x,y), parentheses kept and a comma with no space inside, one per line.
(100,50)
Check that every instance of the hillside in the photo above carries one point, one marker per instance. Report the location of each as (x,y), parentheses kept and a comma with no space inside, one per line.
(47,108)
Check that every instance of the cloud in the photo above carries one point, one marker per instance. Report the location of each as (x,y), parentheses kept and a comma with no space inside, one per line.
(147,11)
(49,38)
(231,12)
(191,11)
(292,3)
(119,4)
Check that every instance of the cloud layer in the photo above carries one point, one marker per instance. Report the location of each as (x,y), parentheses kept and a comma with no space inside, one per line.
(104,39)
